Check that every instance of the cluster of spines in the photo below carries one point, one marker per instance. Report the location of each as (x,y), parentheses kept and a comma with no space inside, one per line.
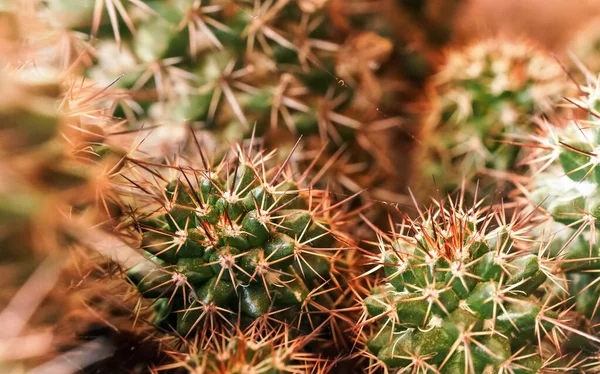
(249,352)
(464,291)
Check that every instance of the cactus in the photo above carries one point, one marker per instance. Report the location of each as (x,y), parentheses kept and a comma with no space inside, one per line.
(248,352)
(236,246)
(240,263)
(52,153)
(463,293)
(232,69)
(484,92)
(564,186)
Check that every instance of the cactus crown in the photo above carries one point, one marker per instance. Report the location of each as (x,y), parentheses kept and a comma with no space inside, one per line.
(237,245)
(462,292)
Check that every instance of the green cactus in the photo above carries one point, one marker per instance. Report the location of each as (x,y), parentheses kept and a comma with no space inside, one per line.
(237,244)
(564,186)
(484,93)
(462,293)
(231,69)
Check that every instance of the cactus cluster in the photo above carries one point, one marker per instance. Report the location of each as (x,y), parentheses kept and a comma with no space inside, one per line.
(160,162)
(464,292)
(277,68)
(484,92)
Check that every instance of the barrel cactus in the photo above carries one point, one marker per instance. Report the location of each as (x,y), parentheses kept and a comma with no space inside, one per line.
(463,292)
(484,92)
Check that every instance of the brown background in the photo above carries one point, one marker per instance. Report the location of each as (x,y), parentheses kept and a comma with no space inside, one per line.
(551,22)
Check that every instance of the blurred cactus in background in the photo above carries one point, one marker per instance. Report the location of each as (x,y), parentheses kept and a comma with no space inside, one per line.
(484,92)
(277,68)
(419,29)
(51,178)
(423,28)
(55,166)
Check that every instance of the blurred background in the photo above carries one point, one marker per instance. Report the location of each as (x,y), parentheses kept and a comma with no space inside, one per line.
(551,22)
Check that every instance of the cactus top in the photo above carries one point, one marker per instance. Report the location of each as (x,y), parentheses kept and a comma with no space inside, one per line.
(236,244)
(462,292)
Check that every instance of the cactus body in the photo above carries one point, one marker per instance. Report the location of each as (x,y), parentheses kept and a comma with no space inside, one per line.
(461,293)
(236,246)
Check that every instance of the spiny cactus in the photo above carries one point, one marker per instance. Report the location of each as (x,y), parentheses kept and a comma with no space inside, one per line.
(237,245)
(249,352)
(484,92)
(564,185)
(463,293)
(231,68)
(51,142)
